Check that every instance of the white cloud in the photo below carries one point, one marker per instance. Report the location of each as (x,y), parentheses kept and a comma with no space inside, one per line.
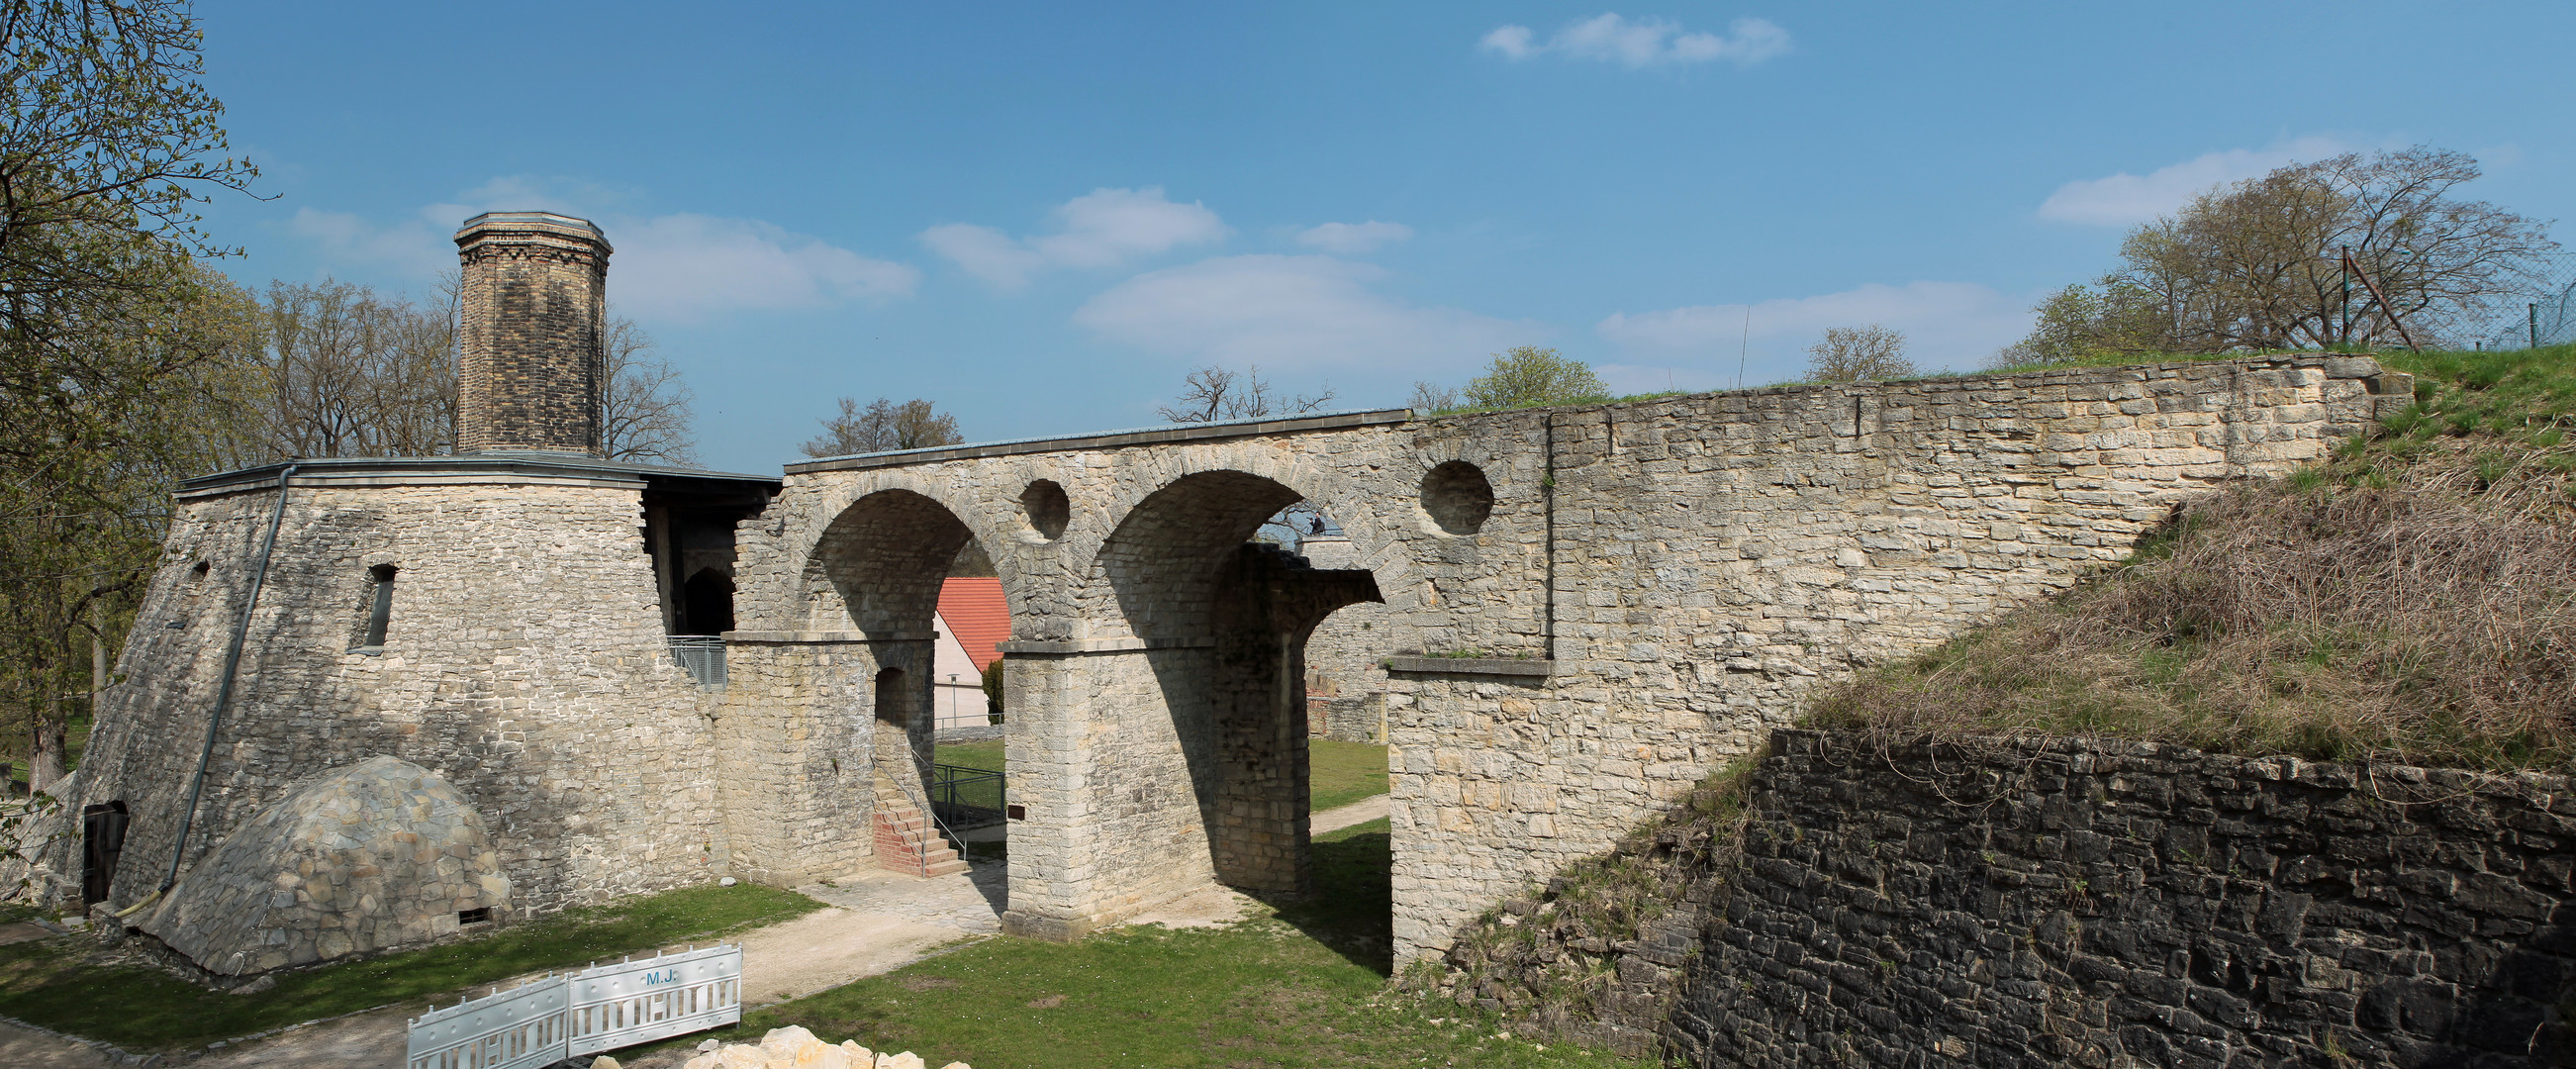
(1946,325)
(2126,199)
(670,267)
(1351,239)
(1646,42)
(685,266)
(1291,312)
(1098,229)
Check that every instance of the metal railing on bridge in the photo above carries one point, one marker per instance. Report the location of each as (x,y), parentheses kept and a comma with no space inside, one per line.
(702,656)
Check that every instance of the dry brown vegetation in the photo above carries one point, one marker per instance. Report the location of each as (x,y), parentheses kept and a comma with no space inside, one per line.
(2410,601)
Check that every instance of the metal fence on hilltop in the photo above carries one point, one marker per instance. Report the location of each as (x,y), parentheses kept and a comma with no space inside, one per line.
(2540,314)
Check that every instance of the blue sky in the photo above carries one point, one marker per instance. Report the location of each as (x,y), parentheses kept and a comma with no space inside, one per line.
(1042,216)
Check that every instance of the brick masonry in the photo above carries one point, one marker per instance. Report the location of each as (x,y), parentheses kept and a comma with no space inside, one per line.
(532,316)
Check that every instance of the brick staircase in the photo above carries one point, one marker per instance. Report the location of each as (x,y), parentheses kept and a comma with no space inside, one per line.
(906,841)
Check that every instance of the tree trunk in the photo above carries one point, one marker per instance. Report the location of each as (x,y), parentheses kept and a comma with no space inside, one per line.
(45,767)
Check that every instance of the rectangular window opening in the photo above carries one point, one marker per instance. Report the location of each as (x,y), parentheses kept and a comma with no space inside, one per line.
(477,915)
(381,613)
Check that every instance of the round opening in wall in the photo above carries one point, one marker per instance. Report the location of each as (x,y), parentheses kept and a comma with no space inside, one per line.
(1046,507)
(1457,498)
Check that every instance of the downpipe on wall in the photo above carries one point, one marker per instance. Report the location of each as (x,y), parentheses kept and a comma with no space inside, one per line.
(223,692)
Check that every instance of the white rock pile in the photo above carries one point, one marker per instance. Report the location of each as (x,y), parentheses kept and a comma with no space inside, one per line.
(794,1048)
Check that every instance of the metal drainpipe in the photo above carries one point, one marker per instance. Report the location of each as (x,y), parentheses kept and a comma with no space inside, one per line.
(224,691)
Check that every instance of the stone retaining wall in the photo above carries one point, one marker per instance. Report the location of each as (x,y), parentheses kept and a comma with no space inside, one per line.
(2136,905)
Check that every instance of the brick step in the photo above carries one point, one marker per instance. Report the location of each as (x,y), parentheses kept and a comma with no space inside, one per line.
(906,840)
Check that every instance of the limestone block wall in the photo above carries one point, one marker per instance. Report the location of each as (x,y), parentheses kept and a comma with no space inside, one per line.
(1662,581)
(795,747)
(1714,556)
(1345,676)
(2070,904)
(523,663)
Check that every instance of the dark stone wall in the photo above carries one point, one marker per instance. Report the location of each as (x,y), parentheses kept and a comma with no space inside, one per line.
(2133,905)
(531,316)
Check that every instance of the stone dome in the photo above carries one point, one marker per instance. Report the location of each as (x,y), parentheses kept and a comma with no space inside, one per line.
(373,855)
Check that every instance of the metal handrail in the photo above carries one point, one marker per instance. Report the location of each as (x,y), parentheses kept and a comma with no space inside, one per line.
(946,782)
(928,809)
(701,656)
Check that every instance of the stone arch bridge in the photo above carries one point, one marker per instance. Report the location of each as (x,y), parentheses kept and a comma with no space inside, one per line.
(1584,607)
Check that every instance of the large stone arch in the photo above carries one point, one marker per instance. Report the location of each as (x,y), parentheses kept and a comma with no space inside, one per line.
(1181,712)
(813,740)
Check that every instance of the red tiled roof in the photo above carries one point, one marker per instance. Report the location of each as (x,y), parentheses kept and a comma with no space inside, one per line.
(975,612)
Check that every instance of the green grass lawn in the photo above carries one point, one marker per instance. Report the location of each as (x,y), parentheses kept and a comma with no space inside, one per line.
(58,983)
(1300,984)
(1338,773)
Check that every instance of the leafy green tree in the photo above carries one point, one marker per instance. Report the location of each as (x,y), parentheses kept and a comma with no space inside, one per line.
(170,387)
(109,335)
(1529,376)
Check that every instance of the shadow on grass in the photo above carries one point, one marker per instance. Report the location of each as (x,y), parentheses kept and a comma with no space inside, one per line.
(57,983)
(1352,909)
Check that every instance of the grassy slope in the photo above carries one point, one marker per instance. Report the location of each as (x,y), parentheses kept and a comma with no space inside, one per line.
(58,984)
(1304,986)
(2409,599)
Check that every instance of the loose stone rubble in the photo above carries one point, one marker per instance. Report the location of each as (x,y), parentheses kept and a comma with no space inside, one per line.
(375,855)
(793,1047)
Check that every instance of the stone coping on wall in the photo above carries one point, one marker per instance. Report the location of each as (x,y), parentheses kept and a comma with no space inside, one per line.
(1181,432)
(1101,645)
(1472,666)
(794,638)
(514,468)
(2282,768)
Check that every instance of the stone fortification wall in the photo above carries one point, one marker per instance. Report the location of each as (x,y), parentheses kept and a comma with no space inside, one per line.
(1714,556)
(1651,586)
(522,663)
(2055,904)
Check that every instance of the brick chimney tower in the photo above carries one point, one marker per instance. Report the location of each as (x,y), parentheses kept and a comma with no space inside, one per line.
(534,309)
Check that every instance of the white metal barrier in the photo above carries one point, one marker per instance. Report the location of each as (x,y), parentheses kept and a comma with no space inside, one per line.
(600,1008)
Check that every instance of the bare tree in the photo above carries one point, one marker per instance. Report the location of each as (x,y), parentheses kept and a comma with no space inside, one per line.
(1852,354)
(883,426)
(1213,394)
(1432,397)
(644,407)
(354,374)
(2259,264)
